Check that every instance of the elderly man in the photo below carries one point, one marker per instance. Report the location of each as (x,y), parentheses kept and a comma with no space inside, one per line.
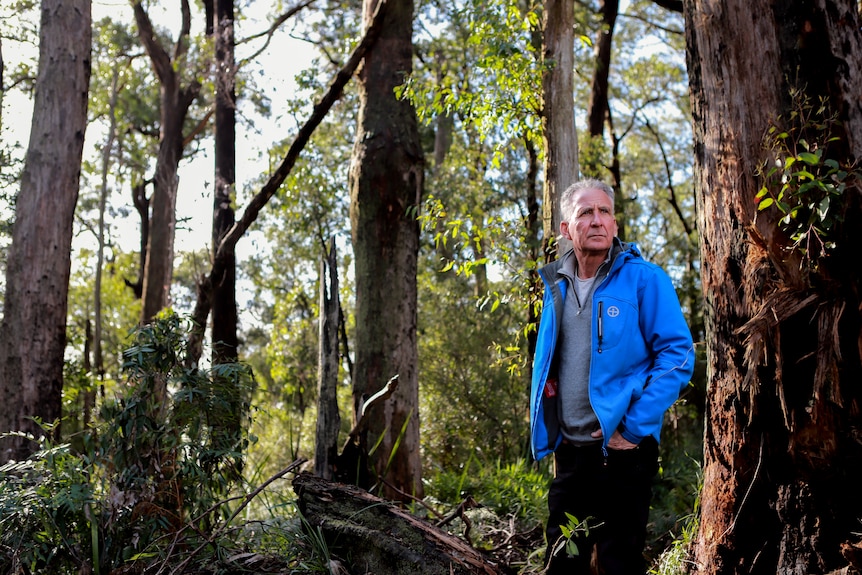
(612,354)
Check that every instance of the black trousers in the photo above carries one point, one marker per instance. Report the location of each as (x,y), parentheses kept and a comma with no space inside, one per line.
(610,496)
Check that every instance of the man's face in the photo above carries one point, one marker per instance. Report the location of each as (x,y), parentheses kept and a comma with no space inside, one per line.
(591,225)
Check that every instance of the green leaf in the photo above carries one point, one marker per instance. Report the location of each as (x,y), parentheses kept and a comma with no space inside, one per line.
(765,203)
(809,158)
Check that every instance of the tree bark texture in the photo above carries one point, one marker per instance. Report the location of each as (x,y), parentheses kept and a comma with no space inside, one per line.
(175,101)
(386,182)
(328,416)
(558,115)
(381,538)
(33,337)
(783,452)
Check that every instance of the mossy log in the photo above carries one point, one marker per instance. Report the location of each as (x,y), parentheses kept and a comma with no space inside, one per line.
(373,535)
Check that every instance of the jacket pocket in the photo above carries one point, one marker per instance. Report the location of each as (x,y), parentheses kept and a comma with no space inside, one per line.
(615,318)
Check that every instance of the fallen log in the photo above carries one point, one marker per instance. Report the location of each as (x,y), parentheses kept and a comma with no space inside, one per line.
(376,536)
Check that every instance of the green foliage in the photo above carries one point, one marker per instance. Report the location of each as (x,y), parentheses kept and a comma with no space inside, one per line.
(675,559)
(518,489)
(499,94)
(572,530)
(470,402)
(801,181)
(47,507)
(155,475)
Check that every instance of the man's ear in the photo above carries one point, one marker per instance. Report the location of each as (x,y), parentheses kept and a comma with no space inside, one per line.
(564,230)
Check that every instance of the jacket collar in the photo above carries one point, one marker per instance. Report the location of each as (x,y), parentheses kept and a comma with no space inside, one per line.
(568,263)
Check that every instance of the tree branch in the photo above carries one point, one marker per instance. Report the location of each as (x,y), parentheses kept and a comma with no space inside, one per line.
(269,189)
(182,45)
(670,188)
(159,58)
(271,30)
(228,244)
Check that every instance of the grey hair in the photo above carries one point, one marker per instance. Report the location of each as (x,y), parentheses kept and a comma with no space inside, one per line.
(567,199)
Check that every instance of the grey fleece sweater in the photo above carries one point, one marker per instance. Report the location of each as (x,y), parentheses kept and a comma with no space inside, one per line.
(575,412)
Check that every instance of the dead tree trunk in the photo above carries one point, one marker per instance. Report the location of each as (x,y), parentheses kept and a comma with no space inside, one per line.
(328,418)
(380,537)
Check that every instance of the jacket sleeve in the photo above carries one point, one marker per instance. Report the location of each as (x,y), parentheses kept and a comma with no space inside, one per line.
(671,353)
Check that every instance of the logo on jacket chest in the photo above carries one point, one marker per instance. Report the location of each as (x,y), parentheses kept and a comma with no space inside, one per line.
(613,311)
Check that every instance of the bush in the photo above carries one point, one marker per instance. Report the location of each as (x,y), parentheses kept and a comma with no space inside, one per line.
(159,472)
(47,514)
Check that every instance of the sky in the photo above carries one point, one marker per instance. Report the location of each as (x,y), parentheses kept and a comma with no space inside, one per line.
(194,202)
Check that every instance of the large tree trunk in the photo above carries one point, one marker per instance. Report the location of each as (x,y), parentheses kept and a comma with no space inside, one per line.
(33,337)
(558,116)
(175,101)
(386,180)
(782,454)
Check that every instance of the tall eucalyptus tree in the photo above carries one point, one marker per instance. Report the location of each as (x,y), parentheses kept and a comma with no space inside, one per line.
(33,336)
(177,93)
(386,185)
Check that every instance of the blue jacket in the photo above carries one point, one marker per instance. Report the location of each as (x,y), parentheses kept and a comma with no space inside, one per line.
(642,351)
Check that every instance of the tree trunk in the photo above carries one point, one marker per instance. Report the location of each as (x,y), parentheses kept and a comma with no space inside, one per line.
(142,206)
(227,425)
(558,117)
(598,105)
(33,337)
(381,538)
(224,312)
(386,180)
(782,454)
(104,191)
(175,102)
(328,417)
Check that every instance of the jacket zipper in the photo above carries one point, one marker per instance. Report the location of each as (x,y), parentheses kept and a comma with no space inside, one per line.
(599,326)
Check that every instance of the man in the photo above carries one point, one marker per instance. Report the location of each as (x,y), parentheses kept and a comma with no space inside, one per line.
(612,354)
